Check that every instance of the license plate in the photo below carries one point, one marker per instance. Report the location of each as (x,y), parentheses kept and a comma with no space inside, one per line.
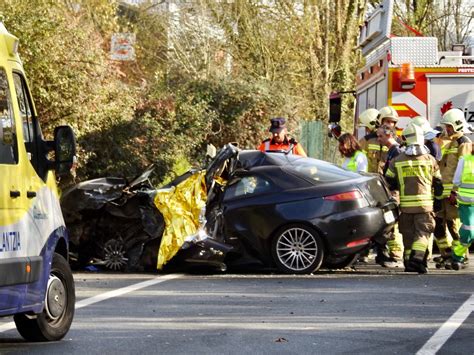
(389,217)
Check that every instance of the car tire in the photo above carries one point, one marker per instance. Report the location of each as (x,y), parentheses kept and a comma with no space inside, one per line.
(297,249)
(341,262)
(55,320)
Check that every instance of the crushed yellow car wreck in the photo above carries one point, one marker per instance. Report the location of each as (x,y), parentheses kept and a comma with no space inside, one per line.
(181,207)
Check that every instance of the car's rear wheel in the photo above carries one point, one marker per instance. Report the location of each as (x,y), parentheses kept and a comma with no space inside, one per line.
(55,320)
(297,249)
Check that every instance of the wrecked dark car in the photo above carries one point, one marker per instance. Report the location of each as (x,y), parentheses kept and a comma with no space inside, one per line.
(267,210)
(113,223)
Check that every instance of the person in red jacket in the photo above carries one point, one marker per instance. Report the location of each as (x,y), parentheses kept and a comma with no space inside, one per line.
(280,140)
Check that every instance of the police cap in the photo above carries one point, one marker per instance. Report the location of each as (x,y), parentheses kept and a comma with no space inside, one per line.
(277,124)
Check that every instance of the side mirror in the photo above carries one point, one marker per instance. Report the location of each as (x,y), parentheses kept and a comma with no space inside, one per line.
(64,149)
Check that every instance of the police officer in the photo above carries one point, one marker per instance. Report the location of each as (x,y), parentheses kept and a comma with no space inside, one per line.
(414,173)
(369,144)
(458,145)
(280,141)
(464,181)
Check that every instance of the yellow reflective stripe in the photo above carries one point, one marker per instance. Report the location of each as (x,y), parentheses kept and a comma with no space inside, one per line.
(419,246)
(374,147)
(409,168)
(415,197)
(390,173)
(445,151)
(416,204)
(442,243)
(414,163)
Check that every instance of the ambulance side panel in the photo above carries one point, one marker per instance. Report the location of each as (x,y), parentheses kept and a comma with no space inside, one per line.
(31,223)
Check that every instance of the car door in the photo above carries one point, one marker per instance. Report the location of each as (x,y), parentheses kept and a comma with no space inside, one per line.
(250,210)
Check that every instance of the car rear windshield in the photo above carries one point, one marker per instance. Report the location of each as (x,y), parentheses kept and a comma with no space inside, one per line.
(319,170)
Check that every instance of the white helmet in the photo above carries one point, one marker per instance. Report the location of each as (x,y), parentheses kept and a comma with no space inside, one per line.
(368,119)
(413,134)
(454,118)
(422,122)
(388,112)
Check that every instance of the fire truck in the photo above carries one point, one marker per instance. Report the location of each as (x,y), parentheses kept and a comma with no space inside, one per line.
(410,73)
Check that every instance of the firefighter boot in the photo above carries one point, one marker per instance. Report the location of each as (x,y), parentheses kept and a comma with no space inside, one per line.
(417,263)
(382,256)
(444,259)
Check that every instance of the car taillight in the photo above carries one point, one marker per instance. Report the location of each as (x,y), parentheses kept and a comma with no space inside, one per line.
(356,243)
(344,196)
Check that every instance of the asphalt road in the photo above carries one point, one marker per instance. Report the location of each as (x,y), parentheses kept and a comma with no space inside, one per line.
(370,310)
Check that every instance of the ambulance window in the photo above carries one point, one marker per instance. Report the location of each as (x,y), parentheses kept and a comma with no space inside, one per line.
(8,147)
(25,110)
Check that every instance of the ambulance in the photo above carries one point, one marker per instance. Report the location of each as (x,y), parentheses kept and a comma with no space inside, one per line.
(411,74)
(36,283)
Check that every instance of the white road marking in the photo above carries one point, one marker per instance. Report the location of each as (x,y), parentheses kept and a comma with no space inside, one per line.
(448,328)
(106,295)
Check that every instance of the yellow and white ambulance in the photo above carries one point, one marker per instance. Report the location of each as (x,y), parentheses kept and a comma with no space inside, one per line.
(36,283)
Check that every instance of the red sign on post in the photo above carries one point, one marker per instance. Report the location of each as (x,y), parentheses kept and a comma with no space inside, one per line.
(122,46)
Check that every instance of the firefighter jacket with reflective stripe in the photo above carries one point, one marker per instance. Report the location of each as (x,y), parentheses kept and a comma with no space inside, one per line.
(464,179)
(458,146)
(414,176)
(375,152)
(270,144)
(358,162)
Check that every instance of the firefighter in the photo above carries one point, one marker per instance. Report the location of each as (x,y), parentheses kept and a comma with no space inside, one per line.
(354,157)
(371,148)
(369,144)
(387,137)
(464,182)
(453,123)
(414,173)
(280,140)
(430,136)
(388,116)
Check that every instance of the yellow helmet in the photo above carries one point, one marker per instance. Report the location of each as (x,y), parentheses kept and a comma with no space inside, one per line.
(368,119)
(454,118)
(388,112)
(413,134)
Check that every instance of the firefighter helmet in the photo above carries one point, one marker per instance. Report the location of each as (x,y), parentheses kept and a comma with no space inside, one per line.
(422,122)
(413,134)
(388,112)
(368,119)
(454,118)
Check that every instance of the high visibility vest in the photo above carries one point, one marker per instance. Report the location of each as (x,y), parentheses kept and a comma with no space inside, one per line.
(451,152)
(375,152)
(415,178)
(268,146)
(352,165)
(466,188)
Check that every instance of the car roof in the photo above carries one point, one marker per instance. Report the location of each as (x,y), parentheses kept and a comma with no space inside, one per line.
(254,158)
